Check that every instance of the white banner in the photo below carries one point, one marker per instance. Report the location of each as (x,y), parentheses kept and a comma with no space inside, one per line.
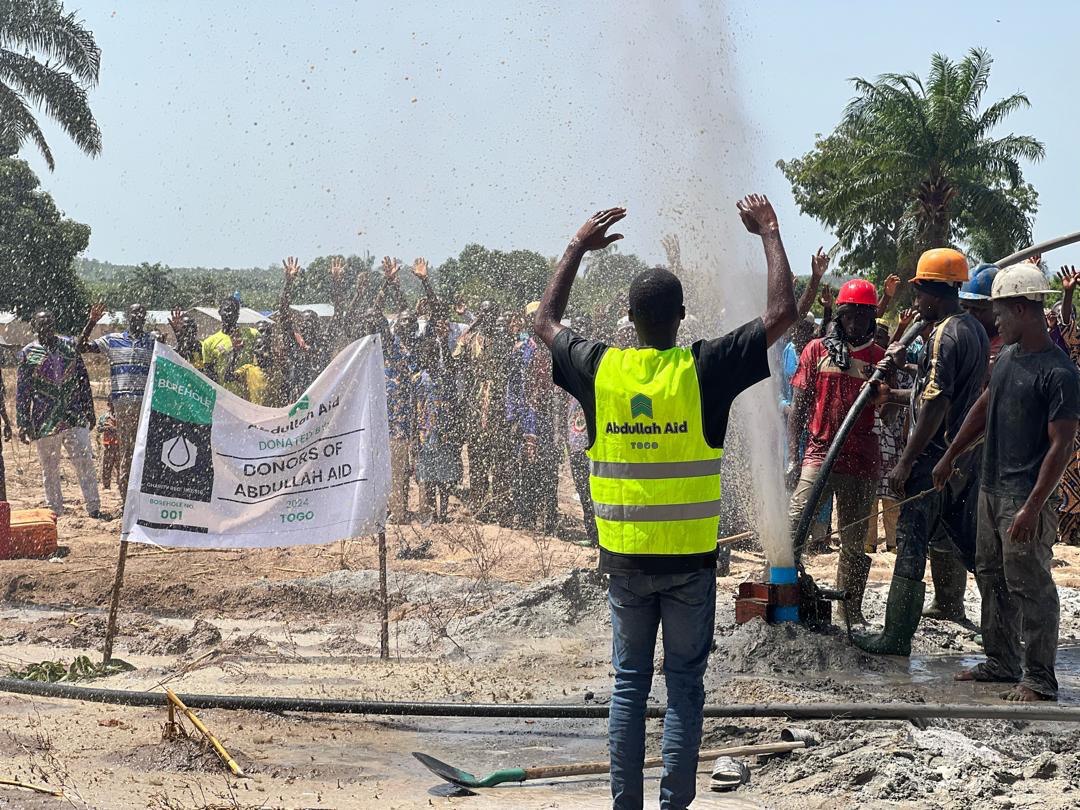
(212,470)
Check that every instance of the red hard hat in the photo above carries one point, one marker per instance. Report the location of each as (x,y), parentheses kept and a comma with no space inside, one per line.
(857,291)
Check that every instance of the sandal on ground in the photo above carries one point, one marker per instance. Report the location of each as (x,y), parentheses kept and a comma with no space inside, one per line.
(728,773)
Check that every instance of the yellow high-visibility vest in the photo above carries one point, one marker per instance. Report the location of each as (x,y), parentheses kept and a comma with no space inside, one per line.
(654,478)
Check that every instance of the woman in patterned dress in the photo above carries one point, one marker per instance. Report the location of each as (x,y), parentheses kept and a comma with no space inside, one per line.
(1069,526)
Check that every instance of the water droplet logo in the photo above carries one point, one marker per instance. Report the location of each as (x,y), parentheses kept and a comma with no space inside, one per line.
(178,454)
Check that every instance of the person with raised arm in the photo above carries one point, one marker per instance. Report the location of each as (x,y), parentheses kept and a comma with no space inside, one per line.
(656,418)
(129,354)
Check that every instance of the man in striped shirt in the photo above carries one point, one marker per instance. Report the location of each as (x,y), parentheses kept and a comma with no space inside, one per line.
(129,354)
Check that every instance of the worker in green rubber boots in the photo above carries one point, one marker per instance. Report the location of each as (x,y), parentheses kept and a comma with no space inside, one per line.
(656,417)
(951,373)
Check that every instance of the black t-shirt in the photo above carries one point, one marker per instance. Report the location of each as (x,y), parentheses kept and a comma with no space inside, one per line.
(1027,392)
(726,367)
(953,365)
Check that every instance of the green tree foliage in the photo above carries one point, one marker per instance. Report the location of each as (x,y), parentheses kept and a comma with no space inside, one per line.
(158,286)
(48,60)
(38,246)
(511,279)
(313,286)
(914,165)
(605,283)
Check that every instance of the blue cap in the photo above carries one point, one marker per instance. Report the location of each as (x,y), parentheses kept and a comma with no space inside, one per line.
(978,287)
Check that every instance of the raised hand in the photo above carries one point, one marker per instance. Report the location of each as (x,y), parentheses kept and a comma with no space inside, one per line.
(292,268)
(1036,259)
(593,234)
(337,268)
(420,268)
(390,268)
(1068,276)
(757,214)
(892,283)
(176,319)
(819,263)
(97,309)
(826,297)
(907,317)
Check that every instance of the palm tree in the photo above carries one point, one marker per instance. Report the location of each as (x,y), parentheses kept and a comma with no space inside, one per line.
(914,165)
(48,59)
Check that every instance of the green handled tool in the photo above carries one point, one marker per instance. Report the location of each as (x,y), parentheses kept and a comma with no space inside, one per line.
(467,780)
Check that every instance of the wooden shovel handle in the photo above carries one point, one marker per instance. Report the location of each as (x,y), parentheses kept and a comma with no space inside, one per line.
(587,768)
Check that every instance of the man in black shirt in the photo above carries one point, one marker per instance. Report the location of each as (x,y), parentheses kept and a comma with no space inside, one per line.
(1029,414)
(951,373)
(656,420)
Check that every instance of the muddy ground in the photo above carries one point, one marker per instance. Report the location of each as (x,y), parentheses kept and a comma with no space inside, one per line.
(488,615)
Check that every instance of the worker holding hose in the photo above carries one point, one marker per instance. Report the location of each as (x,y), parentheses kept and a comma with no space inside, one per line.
(951,371)
(832,371)
(948,571)
(1028,416)
(656,418)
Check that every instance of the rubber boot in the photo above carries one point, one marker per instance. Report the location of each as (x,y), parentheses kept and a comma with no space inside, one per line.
(950,583)
(851,574)
(902,614)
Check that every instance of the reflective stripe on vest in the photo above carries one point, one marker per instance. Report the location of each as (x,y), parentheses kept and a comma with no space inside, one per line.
(654,478)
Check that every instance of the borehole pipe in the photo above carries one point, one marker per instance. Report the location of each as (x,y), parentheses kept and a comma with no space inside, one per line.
(1043,712)
(1036,250)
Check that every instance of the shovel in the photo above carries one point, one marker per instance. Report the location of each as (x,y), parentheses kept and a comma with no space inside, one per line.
(467,780)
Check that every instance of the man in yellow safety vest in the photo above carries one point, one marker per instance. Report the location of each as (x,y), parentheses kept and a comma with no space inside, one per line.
(656,418)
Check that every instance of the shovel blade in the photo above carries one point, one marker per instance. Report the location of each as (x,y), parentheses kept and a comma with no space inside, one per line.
(447,772)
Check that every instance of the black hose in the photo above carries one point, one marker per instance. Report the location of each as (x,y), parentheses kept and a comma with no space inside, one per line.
(810,711)
(865,395)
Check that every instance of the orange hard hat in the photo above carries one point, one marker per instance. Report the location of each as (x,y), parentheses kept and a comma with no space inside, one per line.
(942,264)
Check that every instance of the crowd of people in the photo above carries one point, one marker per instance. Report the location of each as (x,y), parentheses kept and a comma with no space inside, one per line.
(473,414)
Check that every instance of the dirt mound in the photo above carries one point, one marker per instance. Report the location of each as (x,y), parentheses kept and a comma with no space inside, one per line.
(864,763)
(576,598)
(179,755)
(791,649)
(169,641)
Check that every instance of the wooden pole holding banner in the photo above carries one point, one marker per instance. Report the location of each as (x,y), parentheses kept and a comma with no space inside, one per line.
(384,607)
(114,605)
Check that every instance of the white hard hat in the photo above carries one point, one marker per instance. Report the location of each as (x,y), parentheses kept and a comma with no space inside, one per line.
(1023,280)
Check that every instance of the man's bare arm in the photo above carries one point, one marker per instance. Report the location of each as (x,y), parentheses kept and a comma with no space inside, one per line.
(590,236)
(819,263)
(1062,433)
(759,218)
(97,309)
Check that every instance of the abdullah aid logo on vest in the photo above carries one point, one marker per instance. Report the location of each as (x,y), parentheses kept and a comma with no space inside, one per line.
(641,408)
(178,462)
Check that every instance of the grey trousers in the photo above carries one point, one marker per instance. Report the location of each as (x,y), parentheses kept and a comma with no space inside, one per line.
(854,494)
(1019,597)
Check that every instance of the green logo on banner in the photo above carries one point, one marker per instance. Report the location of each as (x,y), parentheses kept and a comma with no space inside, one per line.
(301,405)
(182,394)
(640,405)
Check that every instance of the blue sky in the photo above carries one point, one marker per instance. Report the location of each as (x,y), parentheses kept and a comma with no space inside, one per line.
(238,133)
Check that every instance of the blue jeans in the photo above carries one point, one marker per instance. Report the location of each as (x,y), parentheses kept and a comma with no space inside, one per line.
(685,605)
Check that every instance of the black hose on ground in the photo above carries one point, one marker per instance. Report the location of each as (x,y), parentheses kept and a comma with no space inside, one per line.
(809,711)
